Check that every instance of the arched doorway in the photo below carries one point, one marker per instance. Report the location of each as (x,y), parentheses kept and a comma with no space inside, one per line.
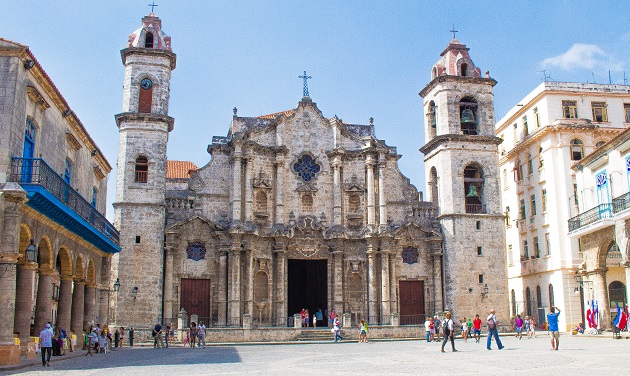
(616,296)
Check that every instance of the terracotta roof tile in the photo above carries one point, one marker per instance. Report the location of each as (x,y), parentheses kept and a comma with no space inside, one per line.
(180,169)
(273,116)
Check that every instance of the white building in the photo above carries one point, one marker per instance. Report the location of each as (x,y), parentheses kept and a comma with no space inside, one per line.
(602,225)
(551,129)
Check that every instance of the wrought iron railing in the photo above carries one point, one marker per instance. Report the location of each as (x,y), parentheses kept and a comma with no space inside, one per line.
(590,216)
(476,208)
(37,172)
(621,203)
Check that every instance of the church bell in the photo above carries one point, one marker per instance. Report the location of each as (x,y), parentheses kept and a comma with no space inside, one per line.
(468,117)
(472,191)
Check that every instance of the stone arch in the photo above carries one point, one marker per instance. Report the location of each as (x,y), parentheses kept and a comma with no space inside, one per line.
(45,254)
(91,273)
(474,184)
(25,239)
(63,262)
(262,300)
(79,268)
(602,252)
(434,73)
(469,111)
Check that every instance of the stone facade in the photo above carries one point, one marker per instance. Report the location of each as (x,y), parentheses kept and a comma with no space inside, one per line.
(295,204)
(53,186)
(461,165)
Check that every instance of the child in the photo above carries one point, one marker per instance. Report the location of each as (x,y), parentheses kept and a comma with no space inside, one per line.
(187,340)
(167,335)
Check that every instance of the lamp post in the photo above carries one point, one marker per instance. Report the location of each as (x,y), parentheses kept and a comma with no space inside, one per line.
(579,279)
(115,289)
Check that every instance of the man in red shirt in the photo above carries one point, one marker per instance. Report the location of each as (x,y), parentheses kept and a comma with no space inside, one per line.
(477,328)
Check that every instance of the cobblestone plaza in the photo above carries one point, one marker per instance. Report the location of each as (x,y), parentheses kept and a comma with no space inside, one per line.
(596,355)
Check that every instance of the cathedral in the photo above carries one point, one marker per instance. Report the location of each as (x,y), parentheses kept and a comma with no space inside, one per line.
(298,210)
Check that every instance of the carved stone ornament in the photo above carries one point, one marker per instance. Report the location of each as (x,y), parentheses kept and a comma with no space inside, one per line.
(308,250)
(411,193)
(410,255)
(196,251)
(195,183)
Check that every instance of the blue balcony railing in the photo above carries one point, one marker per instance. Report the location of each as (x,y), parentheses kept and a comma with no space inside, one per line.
(590,216)
(35,173)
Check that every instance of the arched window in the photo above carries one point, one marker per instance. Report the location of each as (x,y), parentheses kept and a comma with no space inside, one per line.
(616,295)
(538,297)
(307,202)
(528,301)
(464,70)
(261,202)
(433,185)
(468,115)
(513,296)
(530,165)
(551,296)
(141,170)
(148,40)
(473,189)
(146,96)
(432,115)
(434,73)
(577,150)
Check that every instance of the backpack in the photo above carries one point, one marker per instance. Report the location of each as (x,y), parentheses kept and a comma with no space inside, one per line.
(491,324)
(445,328)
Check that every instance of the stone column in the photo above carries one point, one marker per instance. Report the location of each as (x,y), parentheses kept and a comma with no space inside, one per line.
(249,194)
(279,283)
(89,305)
(336,192)
(372,281)
(234,286)
(249,283)
(43,306)
(382,198)
(78,299)
(279,186)
(626,266)
(369,167)
(385,290)
(338,302)
(64,311)
(236,183)
(601,295)
(436,257)
(393,283)
(222,285)
(24,299)
(168,282)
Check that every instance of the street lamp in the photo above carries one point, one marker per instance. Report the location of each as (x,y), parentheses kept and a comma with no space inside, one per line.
(579,279)
(31,252)
(134,292)
(117,285)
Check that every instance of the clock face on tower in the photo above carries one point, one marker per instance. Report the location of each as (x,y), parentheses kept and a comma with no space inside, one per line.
(146,84)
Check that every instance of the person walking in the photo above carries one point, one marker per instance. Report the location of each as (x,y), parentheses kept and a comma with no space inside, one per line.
(314,320)
(121,337)
(193,334)
(552,319)
(477,328)
(201,334)
(518,325)
(532,328)
(167,335)
(493,331)
(45,340)
(465,329)
(363,331)
(447,327)
(332,317)
(337,329)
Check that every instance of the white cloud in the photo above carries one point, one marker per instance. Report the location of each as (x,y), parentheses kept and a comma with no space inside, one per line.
(583,56)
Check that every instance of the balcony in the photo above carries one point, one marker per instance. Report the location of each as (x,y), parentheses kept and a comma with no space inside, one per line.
(50,195)
(621,203)
(476,208)
(599,217)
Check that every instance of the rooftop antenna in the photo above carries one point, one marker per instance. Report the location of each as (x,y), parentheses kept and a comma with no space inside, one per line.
(625,80)
(593,74)
(609,77)
(545,77)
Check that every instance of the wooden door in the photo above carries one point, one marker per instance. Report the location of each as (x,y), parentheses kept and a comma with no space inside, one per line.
(411,295)
(195,298)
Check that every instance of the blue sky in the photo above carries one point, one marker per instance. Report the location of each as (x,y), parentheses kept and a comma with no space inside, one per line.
(367,58)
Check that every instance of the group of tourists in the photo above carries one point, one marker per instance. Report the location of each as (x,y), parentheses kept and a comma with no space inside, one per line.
(195,336)
(528,324)
(97,339)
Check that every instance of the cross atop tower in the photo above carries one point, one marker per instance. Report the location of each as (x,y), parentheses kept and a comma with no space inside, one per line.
(152,5)
(305,77)
(454,31)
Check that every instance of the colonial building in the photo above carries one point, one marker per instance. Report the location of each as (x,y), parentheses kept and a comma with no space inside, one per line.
(601,227)
(53,185)
(298,210)
(551,129)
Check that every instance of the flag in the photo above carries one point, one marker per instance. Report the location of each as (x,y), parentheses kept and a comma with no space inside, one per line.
(624,319)
(618,317)
(589,315)
(596,315)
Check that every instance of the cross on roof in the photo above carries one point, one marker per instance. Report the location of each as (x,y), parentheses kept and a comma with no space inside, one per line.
(152,5)
(454,31)
(305,77)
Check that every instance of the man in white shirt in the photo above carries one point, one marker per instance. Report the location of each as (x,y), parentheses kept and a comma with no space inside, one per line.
(45,340)
(493,331)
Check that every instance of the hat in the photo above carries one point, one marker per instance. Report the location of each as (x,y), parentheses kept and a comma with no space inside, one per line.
(47,326)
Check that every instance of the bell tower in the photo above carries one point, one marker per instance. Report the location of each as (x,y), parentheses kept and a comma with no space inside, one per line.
(461,164)
(139,209)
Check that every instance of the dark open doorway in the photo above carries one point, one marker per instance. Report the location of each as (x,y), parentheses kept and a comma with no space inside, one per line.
(308,287)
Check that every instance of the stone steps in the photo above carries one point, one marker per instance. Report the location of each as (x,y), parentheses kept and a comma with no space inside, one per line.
(323,334)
